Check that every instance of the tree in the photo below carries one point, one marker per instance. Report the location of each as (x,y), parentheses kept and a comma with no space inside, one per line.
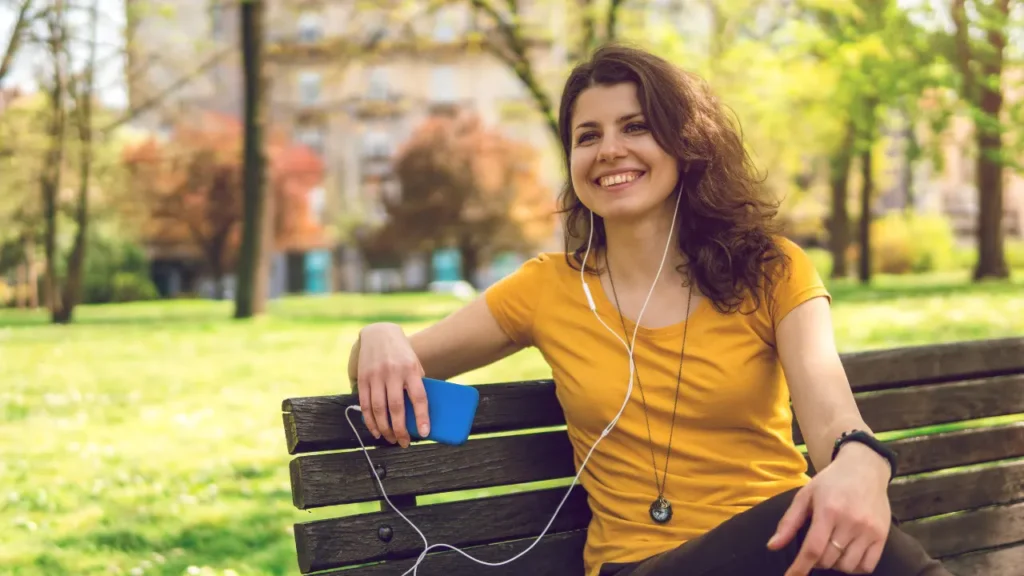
(466,186)
(882,62)
(980,42)
(192,186)
(253,266)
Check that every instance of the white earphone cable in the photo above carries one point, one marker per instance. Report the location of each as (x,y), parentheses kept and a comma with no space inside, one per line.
(629,392)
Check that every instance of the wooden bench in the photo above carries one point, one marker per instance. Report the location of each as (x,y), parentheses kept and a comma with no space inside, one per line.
(961,492)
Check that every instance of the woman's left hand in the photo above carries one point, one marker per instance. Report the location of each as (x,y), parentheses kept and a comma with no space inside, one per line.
(848,504)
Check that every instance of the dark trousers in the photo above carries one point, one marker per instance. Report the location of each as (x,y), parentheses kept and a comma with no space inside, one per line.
(739,547)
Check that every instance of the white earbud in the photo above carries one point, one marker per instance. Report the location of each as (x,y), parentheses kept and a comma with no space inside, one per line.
(611,425)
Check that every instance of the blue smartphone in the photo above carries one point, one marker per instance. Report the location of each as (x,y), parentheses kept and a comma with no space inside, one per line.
(452,408)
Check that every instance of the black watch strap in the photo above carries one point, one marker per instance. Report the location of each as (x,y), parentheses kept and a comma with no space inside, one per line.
(869,441)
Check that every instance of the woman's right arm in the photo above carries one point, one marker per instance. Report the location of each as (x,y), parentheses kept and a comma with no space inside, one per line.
(384,363)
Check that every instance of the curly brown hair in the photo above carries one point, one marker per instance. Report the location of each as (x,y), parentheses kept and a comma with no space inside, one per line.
(725,221)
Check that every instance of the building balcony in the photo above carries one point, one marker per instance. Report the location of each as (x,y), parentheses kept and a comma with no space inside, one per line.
(379,106)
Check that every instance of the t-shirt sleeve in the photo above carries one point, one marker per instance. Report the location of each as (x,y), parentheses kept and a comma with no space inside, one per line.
(514,300)
(800,283)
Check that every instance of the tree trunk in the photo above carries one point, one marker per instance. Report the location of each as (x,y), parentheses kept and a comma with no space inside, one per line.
(250,293)
(76,261)
(839,222)
(866,192)
(50,177)
(984,92)
(32,272)
(470,260)
(991,255)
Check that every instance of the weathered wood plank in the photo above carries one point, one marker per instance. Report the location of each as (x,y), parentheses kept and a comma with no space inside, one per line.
(555,555)
(999,562)
(341,478)
(933,495)
(879,369)
(318,423)
(334,543)
(914,407)
(965,532)
(960,448)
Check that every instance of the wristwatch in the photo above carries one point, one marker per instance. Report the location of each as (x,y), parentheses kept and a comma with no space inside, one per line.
(869,441)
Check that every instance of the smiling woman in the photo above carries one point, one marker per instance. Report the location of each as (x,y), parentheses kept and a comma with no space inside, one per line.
(675,373)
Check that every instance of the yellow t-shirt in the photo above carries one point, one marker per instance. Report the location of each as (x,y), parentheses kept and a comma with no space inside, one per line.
(732,446)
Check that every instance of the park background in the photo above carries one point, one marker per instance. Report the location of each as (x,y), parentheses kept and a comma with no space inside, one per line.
(201,202)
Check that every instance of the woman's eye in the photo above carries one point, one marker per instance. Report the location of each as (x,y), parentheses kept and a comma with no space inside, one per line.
(636,127)
(585,137)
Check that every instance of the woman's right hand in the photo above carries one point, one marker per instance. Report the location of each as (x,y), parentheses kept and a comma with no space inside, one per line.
(388,367)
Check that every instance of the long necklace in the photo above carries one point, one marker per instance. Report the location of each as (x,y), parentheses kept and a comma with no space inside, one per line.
(661,508)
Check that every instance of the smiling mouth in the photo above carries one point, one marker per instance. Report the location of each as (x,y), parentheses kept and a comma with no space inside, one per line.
(620,180)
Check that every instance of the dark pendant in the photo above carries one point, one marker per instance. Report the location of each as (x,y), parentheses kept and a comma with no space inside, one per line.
(661,510)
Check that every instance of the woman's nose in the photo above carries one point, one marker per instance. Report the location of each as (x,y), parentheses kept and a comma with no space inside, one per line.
(611,148)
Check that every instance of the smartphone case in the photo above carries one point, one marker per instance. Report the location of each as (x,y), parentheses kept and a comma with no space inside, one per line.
(452,408)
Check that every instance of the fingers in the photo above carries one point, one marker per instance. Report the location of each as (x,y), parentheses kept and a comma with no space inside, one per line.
(396,405)
(840,547)
(366,407)
(871,557)
(853,555)
(379,408)
(822,526)
(792,520)
(418,398)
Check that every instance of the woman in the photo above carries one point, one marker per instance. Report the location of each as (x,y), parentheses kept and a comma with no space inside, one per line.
(669,245)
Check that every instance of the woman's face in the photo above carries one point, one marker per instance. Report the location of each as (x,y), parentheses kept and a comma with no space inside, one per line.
(617,168)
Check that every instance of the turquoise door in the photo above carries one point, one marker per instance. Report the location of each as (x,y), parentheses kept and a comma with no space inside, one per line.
(317,267)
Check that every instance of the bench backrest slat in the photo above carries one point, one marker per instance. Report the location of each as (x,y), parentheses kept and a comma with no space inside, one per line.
(971,530)
(344,477)
(314,424)
(998,562)
(932,495)
(329,544)
(556,555)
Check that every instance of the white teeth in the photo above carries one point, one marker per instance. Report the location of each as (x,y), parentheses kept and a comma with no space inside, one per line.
(619,178)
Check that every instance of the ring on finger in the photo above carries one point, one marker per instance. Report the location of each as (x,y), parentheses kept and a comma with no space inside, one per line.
(837,545)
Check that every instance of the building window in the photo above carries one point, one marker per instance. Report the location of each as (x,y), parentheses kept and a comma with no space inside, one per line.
(442,84)
(216,20)
(376,144)
(311,27)
(317,202)
(444,26)
(311,136)
(309,87)
(377,86)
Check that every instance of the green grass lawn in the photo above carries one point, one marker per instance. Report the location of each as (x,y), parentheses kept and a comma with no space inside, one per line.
(147,438)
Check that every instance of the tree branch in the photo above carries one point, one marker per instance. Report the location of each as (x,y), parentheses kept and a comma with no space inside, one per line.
(177,85)
(14,43)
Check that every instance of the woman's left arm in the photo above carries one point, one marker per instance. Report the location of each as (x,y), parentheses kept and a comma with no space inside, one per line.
(847,500)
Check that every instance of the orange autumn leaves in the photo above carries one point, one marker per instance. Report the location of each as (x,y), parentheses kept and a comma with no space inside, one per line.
(190,187)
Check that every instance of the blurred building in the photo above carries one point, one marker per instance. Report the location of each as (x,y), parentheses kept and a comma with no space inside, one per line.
(352,83)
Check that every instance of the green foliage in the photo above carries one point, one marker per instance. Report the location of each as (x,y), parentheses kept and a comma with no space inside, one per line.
(116,270)
(912,243)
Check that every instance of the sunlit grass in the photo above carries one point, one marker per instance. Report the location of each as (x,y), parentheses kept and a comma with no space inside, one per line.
(147,438)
